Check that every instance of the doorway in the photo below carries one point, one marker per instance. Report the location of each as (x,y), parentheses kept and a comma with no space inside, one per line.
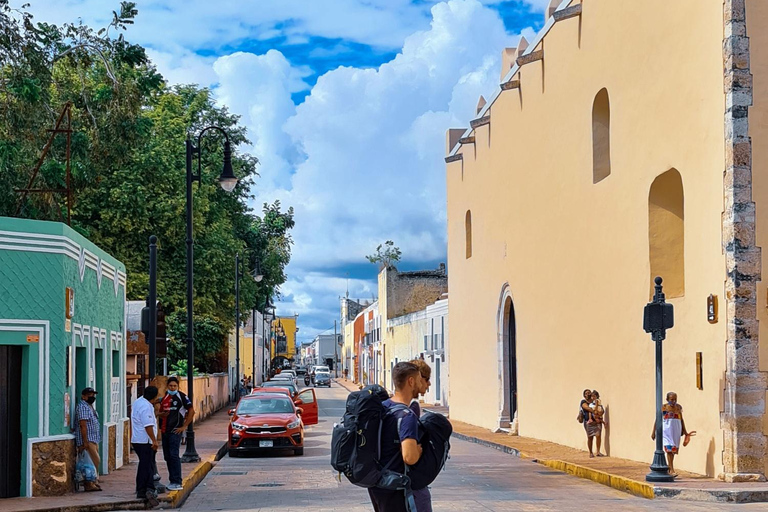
(511,336)
(507,361)
(10,421)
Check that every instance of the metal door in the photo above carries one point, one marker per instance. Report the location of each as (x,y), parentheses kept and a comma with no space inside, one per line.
(10,421)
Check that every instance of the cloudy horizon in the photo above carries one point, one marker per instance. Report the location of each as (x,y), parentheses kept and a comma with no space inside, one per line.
(346,105)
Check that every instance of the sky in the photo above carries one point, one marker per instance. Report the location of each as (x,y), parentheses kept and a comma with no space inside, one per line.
(346,103)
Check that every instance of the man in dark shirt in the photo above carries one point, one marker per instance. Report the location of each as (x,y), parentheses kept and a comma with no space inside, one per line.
(176,413)
(404,439)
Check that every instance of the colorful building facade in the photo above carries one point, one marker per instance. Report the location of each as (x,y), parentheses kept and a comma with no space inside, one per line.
(628,140)
(62,324)
(283,347)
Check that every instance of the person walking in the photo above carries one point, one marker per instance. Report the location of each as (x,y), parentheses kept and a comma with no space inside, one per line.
(673,428)
(176,413)
(88,432)
(401,426)
(144,441)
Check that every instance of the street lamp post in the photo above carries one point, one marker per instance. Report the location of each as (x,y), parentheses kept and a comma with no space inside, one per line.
(658,317)
(237,327)
(228,181)
(256,277)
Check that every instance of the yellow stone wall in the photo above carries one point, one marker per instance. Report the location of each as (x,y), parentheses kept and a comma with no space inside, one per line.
(574,253)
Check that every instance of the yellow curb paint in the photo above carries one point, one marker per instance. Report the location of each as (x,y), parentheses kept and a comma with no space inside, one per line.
(176,498)
(620,483)
(641,489)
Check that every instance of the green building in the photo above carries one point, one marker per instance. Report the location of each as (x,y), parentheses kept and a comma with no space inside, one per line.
(62,325)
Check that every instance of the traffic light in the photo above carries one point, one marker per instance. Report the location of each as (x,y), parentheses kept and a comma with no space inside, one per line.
(161,345)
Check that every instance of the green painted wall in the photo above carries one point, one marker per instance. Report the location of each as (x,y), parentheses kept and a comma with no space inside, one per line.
(38,260)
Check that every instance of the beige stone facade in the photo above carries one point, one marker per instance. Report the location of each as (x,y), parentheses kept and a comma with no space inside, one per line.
(615,151)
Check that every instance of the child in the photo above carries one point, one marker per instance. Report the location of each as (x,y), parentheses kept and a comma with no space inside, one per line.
(673,427)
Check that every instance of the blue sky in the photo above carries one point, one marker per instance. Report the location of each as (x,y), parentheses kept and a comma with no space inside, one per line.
(346,104)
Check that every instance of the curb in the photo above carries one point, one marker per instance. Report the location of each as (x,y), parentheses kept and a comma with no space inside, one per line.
(177,498)
(620,483)
(627,485)
(344,385)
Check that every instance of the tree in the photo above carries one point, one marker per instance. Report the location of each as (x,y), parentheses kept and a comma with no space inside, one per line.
(128,166)
(208,341)
(386,255)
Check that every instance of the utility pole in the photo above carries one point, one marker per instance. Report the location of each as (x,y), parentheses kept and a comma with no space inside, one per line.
(237,327)
(152,305)
(335,350)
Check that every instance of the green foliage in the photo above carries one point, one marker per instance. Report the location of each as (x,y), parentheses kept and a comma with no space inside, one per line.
(210,340)
(386,254)
(128,167)
(179,369)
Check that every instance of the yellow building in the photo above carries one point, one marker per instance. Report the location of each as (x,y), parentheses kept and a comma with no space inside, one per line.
(283,346)
(617,149)
(249,365)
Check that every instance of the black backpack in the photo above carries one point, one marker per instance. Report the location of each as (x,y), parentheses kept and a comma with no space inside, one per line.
(435,431)
(356,442)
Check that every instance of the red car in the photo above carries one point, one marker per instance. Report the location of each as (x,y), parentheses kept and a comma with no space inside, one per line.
(266,421)
(306,399)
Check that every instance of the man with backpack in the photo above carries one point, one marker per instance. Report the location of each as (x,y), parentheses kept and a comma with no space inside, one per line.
(382,445)
(399,432)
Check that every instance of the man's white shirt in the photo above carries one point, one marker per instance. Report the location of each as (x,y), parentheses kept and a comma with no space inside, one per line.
(142,416)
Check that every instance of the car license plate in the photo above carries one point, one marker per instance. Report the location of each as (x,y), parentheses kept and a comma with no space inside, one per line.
(265,444)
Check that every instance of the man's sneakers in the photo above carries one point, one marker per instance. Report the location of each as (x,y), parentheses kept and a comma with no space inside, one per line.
(151,498)
(175,487)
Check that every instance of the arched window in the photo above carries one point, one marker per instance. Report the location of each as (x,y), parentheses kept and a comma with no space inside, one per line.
(468,228)
(666,232)
(601,137)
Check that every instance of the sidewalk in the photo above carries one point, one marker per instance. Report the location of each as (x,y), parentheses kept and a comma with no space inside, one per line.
(119,487)
(624,475)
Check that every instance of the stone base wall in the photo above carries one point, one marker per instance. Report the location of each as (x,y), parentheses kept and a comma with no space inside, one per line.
(53,467)
(126,442)
(111,465)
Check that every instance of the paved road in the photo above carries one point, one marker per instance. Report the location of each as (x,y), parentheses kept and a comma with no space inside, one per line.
(476,479)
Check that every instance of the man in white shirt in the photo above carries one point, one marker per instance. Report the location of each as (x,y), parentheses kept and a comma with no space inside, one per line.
(144,441)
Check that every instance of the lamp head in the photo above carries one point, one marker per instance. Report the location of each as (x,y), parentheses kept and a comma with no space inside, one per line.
(227,180)
(257,275)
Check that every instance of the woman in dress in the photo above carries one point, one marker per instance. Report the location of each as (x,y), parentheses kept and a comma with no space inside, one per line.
(595,422)
(673,428)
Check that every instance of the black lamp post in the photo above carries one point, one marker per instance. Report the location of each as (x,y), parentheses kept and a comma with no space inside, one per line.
(227,180)
(256,277)
(657,318)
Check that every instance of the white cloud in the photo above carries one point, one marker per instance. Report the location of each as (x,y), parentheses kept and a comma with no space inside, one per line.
(361,160)
(184,67)
(374,140)
(259,88)
(367,146)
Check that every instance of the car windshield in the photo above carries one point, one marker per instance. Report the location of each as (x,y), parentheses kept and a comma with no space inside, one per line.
(322,374)
(321,369)
(264,406)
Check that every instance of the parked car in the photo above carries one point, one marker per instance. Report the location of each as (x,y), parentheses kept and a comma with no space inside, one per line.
(282,384)
(305,399)
(322,379)
(265,421)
